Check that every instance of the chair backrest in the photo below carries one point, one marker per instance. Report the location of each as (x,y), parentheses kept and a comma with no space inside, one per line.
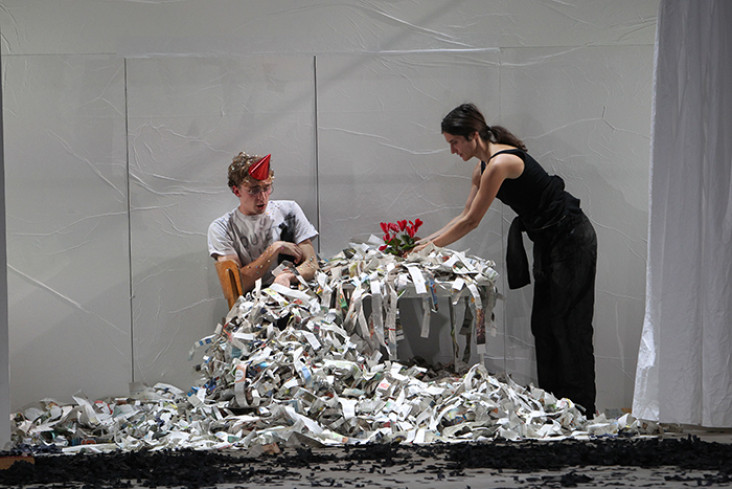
(230,279)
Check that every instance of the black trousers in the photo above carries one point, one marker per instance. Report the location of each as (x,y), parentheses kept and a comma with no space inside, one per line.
(561,316)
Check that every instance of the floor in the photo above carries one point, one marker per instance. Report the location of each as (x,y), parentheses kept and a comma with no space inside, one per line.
(682,457)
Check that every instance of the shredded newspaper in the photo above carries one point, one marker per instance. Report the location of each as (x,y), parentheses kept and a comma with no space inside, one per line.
(317,366)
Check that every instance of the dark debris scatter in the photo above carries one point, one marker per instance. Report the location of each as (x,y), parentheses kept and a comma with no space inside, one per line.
(690,453)
(202,469)
(189,469)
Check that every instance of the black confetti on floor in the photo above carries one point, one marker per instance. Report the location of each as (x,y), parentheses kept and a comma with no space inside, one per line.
(321,467)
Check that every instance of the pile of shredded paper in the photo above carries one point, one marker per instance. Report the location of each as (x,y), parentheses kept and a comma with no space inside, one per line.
(314,366)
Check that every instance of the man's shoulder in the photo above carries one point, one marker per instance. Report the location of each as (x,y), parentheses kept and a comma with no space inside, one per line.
(284,203)
(223,220)
(283,206)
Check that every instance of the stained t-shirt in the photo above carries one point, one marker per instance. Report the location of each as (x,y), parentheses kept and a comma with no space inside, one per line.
(248,236)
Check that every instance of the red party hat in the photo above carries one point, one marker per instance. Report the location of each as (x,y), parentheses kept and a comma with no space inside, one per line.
(259,170)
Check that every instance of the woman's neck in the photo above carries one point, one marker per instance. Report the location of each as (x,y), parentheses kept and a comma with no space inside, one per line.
(482,150)
(493,148)
(486,150)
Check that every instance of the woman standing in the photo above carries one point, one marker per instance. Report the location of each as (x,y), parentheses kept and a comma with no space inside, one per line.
(565,248)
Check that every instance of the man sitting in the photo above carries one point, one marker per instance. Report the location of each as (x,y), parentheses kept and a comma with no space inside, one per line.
(259,234)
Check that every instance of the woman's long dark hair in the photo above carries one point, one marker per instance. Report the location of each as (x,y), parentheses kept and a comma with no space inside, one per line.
(466,119)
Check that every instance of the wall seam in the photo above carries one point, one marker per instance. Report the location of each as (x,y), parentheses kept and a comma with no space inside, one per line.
(129,225)
(317,151)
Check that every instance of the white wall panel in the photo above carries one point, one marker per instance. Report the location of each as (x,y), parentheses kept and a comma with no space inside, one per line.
(67,226)
(573,78)
(187,118)
(584,113)
(144,27)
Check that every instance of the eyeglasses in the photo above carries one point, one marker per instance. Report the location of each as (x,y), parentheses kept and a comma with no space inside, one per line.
(259,190)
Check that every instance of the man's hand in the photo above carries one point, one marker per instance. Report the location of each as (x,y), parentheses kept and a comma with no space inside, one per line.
(285,278)
(290,249)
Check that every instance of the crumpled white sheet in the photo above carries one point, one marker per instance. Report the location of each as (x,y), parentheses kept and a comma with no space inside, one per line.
(321,379)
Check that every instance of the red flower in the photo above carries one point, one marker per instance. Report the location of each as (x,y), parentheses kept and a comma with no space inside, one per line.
(399,236)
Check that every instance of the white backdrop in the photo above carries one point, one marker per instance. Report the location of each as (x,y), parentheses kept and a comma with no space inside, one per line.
(121,117)
(684,372)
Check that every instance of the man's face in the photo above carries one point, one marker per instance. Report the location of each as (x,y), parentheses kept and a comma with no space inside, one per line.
(253,196)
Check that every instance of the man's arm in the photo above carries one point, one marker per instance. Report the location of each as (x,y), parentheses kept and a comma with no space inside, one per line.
(309,264)
(306,267)
(257,269)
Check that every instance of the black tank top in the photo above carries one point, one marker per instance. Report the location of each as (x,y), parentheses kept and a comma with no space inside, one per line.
(538,198)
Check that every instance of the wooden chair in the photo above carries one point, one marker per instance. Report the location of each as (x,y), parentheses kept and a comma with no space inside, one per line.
(230,279)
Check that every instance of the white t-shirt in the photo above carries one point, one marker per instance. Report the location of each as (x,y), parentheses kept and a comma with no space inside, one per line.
(248,236)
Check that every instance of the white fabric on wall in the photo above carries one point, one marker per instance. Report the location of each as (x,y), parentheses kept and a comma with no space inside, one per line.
(684,372)
(113,137)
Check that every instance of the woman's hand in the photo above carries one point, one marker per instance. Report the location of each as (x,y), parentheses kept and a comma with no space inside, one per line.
(419,247)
